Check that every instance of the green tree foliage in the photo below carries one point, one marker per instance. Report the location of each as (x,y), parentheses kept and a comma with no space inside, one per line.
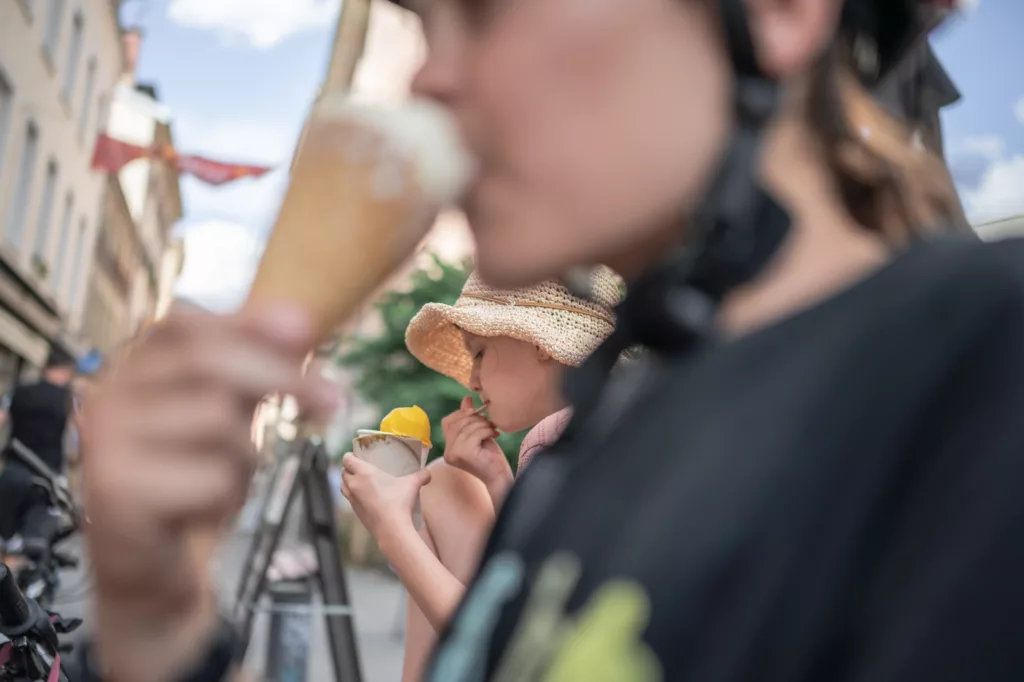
(388,376)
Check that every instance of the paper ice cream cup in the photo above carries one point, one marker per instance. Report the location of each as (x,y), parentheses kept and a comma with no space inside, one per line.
(395,455)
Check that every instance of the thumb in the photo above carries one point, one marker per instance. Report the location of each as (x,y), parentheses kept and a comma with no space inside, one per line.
(467,404)
(353,464)
(421,477)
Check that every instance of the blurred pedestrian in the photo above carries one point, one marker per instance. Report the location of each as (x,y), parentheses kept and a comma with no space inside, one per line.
(39,415)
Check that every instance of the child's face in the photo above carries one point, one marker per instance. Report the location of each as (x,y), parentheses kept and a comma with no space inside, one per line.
(515,378)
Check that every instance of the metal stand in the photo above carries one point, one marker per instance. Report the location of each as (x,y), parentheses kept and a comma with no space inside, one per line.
(306,470)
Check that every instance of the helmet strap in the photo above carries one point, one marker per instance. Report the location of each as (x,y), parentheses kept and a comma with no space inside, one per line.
(732,236)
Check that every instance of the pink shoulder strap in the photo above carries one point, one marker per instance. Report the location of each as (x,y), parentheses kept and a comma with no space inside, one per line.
(543,436)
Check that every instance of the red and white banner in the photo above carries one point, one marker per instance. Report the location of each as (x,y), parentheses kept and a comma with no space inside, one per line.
(111,155)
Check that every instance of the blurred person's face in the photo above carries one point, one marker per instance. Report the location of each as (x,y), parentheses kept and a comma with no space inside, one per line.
(519,382)
(60,375)
(596,122)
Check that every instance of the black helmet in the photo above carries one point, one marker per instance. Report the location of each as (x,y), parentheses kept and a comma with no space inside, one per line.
(59,357)
(884,31)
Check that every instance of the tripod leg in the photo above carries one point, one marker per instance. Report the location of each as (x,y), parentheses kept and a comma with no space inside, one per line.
(320,516)
(266,500)
(264,543)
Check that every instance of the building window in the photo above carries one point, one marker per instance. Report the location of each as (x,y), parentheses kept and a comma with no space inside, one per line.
(102,113)
(54,19)
(90,84)
(63,245)
(75,270)
(6,108)
(27,8)
(45,216)
(23,186)
(67,87)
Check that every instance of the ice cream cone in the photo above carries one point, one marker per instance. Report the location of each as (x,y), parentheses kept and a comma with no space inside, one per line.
(365,187)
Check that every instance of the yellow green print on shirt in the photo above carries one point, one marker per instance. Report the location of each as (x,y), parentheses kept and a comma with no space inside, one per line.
(543,624)
(606,643)
(602,643)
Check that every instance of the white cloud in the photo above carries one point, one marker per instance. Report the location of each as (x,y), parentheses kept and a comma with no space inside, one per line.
(220,262)
(259,23)
(1018,109)
(992,147)
(1000,192)
(990,178)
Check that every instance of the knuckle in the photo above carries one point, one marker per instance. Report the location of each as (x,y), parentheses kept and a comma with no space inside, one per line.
(199,361)
(216,412)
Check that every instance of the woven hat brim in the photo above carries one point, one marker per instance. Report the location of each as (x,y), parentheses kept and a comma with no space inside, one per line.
(435,335)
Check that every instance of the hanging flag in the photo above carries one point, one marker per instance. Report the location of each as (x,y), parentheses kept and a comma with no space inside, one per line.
(216,172)
(111,155)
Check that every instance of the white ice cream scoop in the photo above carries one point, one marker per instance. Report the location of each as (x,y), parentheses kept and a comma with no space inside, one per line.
(366,185)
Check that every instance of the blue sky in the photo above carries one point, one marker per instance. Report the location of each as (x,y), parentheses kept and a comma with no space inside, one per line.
(984,53)
(239,75)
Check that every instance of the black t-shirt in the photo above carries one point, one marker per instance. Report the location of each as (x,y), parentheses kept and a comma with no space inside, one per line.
(39,416)
(837,497)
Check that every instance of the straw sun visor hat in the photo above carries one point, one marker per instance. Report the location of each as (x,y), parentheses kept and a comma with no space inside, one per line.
(547,315)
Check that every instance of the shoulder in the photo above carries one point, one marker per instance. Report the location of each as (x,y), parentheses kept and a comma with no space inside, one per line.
(973,297)
(959,288)
(452,490)
(22,391)
(993,281)
(991,276)
(988,264)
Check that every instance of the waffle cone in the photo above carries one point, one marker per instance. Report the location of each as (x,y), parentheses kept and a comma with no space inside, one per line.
(359,203)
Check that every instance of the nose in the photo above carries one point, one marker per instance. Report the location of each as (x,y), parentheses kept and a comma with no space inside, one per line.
(440,77)
(474,379)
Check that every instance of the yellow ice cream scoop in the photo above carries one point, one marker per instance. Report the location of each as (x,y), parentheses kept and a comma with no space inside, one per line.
(408,422)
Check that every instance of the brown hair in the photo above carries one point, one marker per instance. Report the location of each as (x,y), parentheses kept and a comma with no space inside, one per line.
(891,176)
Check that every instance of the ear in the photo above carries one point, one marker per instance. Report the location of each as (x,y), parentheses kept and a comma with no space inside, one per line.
(789,35)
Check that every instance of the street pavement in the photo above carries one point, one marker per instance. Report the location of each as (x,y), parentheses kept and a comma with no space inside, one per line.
(378,602)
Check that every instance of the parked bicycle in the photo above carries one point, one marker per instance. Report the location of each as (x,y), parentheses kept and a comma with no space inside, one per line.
(38,577)
(29,636)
